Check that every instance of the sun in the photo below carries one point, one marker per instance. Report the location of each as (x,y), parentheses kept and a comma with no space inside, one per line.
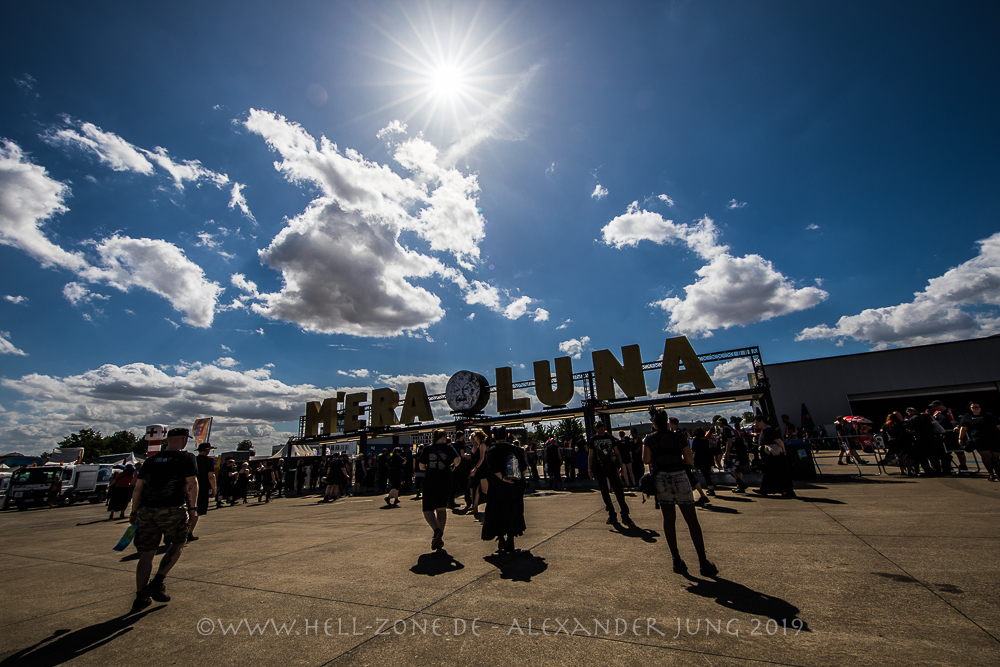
(446,70)
(446,81)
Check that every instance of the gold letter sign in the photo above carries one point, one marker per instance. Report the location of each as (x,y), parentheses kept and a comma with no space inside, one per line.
(628,375)
(677,351)
(325,414)
(564,391)
(416,406)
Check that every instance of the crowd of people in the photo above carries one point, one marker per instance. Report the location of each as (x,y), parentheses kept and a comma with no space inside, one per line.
(173,488)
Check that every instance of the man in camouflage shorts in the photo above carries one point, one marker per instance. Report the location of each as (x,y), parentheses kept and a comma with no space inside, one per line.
(165,482)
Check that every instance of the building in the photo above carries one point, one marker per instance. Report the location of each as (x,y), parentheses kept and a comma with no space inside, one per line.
(873,384)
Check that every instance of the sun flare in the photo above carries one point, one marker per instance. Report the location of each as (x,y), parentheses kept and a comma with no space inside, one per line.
(446,81)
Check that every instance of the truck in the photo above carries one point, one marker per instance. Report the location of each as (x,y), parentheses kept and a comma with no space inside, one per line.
(31,486)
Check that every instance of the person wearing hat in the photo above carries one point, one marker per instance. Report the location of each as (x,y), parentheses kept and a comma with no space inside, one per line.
(206,483)
(164,507)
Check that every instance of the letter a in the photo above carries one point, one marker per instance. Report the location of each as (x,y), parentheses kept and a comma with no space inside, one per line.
(677,351)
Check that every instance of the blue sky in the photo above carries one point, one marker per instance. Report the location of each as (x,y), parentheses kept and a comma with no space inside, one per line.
(228,210)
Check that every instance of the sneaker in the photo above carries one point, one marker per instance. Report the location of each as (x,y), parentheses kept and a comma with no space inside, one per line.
(759,492)
(710,492)
(702,501)
(157,591)
(707,568)
(740,489)
(628,522)
(841,463)
(680,567)
(437,542)
(790,494)
(192,538)
(612,519)
(141,602)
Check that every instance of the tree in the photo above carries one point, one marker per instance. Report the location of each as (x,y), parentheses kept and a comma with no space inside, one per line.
(123,442)
(89,439)
(573,427)
(543,432)
(246,446)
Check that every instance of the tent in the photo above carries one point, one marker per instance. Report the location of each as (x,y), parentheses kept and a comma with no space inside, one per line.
(297,450)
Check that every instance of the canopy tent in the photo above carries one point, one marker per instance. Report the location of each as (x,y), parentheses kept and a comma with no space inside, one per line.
(297,450)
(66,455)
(128,458)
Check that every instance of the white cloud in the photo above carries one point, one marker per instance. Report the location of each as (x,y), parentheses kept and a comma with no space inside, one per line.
(637,224)
(541,315)
(121,155)
(489,123)
(434,382)
(733,291)
(6,347)
(109,148)
(206,240)
(130,396)
(812,227)
(29,197)
(359,373)
(471,317)
(951,307)
(517,308)
(735,204)
(730,290)
(734,368)
(186,170)
(226,348)
(226,362)
(77,294)
(665,199)
(161,268)
(574,347)
(343,265)
(237,200)
(551,169)
(16,299)
(599,192)
(394,127)
(564,325)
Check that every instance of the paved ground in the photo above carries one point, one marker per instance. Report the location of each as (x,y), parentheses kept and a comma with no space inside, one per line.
(873,570)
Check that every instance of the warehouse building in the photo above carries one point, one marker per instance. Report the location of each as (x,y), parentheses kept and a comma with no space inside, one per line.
(873,384)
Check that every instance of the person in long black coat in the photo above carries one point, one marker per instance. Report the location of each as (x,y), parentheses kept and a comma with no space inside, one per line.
(504,516)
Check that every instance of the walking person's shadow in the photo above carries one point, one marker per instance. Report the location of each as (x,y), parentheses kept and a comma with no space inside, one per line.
(66,645)
(738,597)
(435,563)
(519,566)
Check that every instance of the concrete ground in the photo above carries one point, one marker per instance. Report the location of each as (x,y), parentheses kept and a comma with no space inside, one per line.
(858,570)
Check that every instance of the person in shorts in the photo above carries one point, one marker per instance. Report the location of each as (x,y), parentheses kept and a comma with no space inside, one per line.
(164,507)
(438,460)
(668,454)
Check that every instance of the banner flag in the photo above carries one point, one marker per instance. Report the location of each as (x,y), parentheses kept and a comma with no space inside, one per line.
(201,430)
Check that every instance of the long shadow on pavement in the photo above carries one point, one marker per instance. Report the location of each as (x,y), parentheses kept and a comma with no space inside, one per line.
(435,563)
(520,566)
(738,597)
(65,645)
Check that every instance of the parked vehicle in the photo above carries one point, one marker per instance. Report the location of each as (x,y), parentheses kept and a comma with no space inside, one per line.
(4,484)
(31,486)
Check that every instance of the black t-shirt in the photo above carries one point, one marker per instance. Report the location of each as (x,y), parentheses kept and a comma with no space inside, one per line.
(981,429)
(769,436)
(164,477)
(437,460)
(553,454)
(206,466)
(603,446)
(667,448)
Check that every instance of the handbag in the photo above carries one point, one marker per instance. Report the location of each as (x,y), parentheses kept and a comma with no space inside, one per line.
(773,449)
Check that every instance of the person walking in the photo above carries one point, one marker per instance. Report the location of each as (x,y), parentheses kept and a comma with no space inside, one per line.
(982,432)
(396,462)
(120,492)
(668,454)
(266,477)
(438,460)
(777,477)
(166,482)
(477,478)
(504,517)
(553,463)
(604,462)
(206,484)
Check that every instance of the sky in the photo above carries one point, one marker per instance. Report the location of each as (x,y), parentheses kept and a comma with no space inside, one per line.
(228,209)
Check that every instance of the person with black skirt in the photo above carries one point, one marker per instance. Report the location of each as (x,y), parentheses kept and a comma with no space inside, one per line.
(777,476)
(504,517)
(438,460)
(982,431)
